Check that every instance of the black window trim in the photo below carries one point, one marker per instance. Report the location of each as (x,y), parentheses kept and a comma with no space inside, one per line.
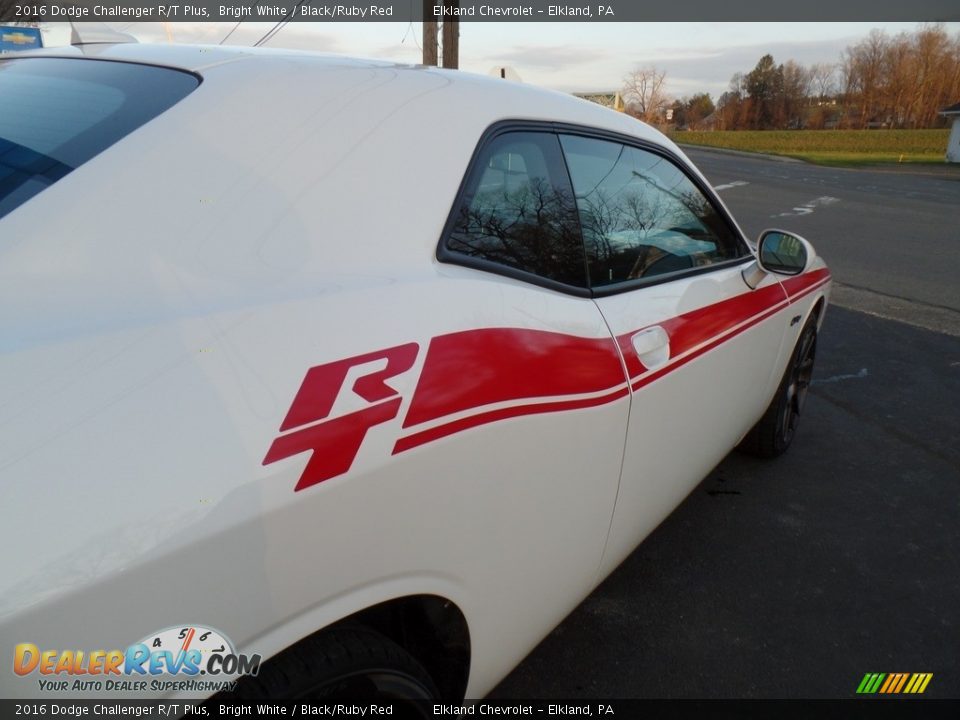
(446,255)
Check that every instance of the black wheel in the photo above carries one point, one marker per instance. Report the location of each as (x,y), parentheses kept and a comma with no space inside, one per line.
(345,663)
(774,433)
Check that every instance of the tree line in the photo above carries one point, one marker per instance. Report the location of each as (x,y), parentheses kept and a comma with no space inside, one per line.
(883,81)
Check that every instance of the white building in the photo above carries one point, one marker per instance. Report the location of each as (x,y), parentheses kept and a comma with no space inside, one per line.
(953,144)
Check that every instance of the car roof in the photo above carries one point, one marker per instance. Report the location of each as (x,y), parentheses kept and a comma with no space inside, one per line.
(205,59)
(193,58)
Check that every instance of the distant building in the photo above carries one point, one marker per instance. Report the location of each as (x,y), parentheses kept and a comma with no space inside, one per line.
(505,72)
(953,144)
(611,99)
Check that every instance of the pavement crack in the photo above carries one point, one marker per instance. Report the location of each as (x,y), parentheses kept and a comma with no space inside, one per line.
(837,378)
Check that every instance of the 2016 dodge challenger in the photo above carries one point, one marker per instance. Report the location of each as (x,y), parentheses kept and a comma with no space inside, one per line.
(347,377)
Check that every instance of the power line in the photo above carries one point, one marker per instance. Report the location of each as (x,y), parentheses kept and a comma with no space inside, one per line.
(411,33)
(227,36)
(280,25)
(271,32)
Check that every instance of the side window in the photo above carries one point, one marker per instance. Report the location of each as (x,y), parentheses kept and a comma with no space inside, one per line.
(518,211)
(641,215)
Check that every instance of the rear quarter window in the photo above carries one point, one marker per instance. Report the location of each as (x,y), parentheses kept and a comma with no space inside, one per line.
(517,213)
(56,114)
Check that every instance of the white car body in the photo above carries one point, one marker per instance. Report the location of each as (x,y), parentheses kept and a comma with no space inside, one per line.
(160,308)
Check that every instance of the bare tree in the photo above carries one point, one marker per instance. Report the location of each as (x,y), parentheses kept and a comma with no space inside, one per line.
(732,105)
(882,81)
(899,73)
(932,71)
(902,81)
(644,94)
(823,80)
(863,66)
(797,81)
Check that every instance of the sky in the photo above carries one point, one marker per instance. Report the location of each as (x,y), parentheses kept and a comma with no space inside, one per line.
(566,56)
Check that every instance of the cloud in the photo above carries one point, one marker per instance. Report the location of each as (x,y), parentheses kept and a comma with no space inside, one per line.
(703,64)
(291,37)
(406,52)
(554,58)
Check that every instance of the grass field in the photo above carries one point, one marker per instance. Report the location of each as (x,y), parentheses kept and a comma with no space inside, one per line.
(831,147)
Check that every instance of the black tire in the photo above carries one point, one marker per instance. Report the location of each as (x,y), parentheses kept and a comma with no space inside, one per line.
(344,663)
(773,434)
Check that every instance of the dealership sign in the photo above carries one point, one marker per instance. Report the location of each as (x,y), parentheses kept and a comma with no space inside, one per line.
(19,38)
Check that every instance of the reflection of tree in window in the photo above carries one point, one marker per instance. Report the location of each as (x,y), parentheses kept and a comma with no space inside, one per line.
(641,215)
(517,217)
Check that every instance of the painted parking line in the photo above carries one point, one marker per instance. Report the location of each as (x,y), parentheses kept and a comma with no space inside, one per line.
(735,183)
(809,207)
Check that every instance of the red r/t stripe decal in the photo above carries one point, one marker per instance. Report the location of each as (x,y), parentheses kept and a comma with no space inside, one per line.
(322,384)
(335,443)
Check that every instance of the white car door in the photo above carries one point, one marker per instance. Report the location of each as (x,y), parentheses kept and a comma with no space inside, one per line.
(527,403)
(699,346)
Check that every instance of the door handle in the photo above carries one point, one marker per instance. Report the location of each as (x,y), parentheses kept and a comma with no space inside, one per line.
(652,347)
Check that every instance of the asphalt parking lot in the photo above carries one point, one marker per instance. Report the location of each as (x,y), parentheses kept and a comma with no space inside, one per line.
(793,578)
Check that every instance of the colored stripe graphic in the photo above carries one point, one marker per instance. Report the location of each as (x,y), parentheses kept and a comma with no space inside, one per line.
(899,685)
(894,683)
(919,683)
(862,687)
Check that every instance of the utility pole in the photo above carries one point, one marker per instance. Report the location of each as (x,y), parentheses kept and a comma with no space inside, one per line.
(429,34)
(451,37)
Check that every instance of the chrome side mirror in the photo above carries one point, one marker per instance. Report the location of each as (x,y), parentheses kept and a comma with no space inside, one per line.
(785,253)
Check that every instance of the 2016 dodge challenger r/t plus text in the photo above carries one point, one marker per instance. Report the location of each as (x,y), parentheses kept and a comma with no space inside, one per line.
(349,378)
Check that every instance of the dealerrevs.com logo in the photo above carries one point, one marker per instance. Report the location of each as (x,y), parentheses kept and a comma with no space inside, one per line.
(184,658)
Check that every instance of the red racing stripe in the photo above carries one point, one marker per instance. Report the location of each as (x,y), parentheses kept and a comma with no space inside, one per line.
(798,286)
(435,433)
(470,369)
(696,327)
(647,379)
(801,289)
(514,364)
